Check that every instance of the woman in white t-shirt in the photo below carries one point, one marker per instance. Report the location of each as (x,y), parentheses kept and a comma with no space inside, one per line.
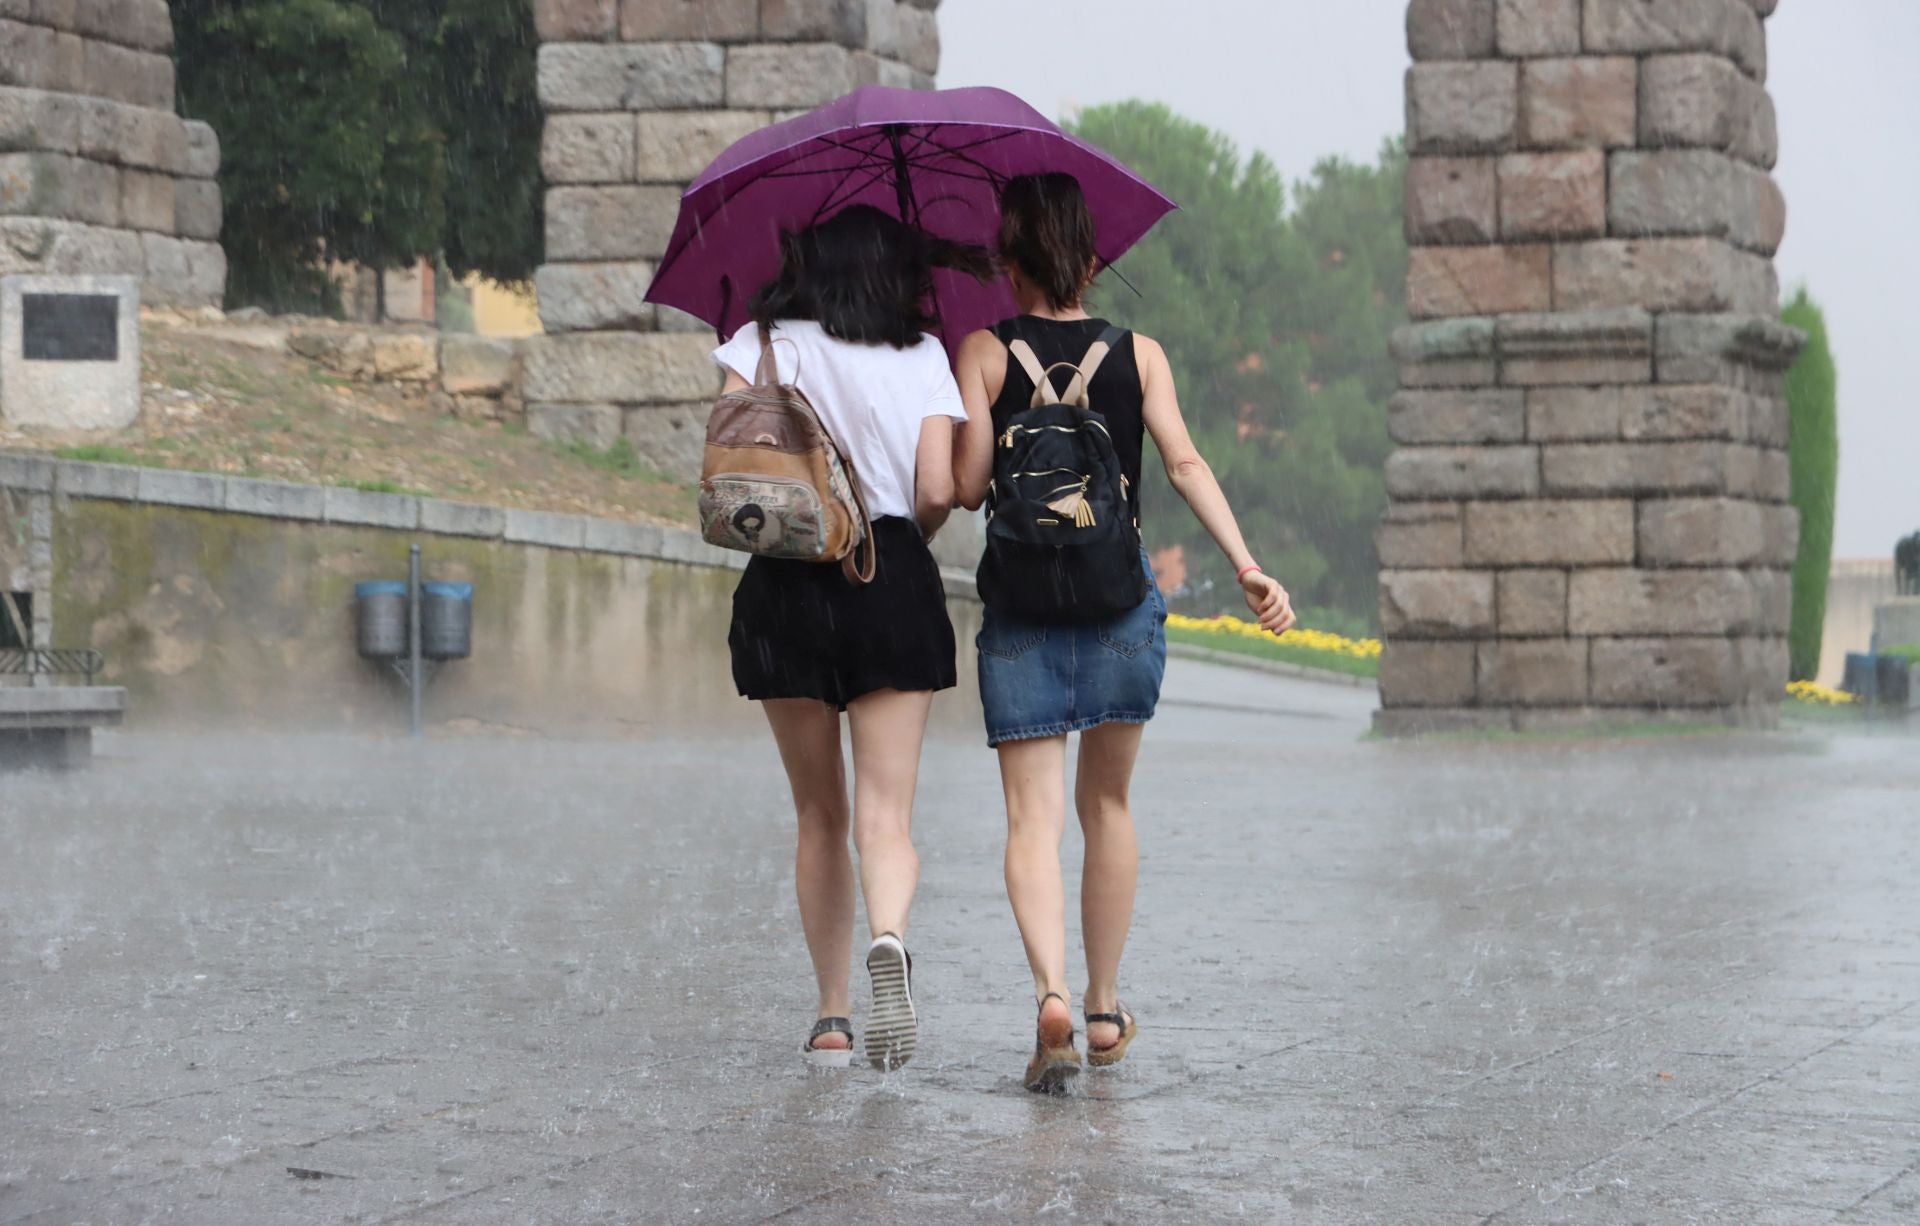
(849,319)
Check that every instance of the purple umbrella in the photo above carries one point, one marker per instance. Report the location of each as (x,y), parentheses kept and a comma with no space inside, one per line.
(936,159)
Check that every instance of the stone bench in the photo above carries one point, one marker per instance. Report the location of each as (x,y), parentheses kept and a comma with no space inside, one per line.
(52,726)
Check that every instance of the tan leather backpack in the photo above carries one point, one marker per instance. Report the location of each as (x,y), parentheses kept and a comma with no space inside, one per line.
(774,482)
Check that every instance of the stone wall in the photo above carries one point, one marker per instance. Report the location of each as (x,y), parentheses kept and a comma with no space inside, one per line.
(98,175)
(1588,518)
(640,95)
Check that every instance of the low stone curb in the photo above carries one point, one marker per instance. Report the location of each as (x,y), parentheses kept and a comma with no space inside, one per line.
(1279,668)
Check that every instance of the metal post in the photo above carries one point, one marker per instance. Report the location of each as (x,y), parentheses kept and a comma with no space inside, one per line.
(415,682)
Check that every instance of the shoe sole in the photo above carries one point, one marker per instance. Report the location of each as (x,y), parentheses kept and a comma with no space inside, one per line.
(1054,1076)
(892,1026)
(828,1057)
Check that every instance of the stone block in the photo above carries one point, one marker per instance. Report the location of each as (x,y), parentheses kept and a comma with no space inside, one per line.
(788,75)
(1452,200)
(595,297)
(140,78)
(1575,414)
(462,519)
(909,36)
(182,272)
(405,357)
(1663,275)
(809,21)
(1722,347)
(203,150)
(79,374)
(197,209)
(596,425)
(1705,102)
(116,482)
(1441,721)
(1553,195)
(1578,103)
(1533,672)
(1463,472)
(1436,604)
(546,528)
(132,136)
(632,77)
(1666,672)
(362,507)
(1542,532)
(672,438)
(27,56)
(1426,674)
(1576,347)
(146,201)
(619,368)
(1695,191)
(1780,531)
(1453,281)
(1684,412)
(166,487)
(627,539)
(475,365)
(607,223)
(675,146)
(1768,420)
(714,21)
(1420,535)
(1450,29)
(1462,107)
(1626,602)
(588,148)
(35,121)
(1533,28)
(1702,532)
(342,351)
(32,474)
(275,499)
(55,185)
(1634,468)
(1531,602)
(575,21)
(1641,27)
(1482,415)
(1446,353)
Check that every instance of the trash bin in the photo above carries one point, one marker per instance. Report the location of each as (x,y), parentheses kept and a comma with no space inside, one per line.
(446,621)
(1893,681)
(380,615)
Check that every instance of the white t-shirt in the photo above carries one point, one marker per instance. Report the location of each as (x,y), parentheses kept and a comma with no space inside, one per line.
(871,397)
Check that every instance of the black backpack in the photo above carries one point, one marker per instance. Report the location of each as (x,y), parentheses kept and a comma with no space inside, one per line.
(1062,543)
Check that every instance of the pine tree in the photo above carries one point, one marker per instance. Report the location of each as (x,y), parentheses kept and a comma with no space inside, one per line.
(1813,454)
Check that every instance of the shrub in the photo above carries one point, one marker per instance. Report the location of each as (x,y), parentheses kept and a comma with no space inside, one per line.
(1813,453)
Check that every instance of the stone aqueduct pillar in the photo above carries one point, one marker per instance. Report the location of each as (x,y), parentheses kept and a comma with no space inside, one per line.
(640,95)
(98,175)
(1588,519)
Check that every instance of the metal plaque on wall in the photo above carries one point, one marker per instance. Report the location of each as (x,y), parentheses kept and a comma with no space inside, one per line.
(70,327)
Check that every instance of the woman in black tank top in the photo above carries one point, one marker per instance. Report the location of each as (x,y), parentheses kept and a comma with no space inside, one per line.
(1041,681)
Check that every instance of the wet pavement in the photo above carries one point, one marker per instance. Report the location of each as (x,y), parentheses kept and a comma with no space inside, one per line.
(1670,980)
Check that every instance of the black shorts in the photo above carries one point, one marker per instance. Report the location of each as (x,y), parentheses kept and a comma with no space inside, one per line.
(801,630)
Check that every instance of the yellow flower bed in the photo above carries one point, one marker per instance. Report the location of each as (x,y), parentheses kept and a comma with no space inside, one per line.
(1312,640)
(1807,691)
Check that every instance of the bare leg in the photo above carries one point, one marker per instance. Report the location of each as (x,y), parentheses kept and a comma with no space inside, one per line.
(1112,865)
(888,729)
(1033,775)
(808,733)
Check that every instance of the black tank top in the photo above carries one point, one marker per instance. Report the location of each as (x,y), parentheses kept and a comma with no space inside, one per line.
(1115,393)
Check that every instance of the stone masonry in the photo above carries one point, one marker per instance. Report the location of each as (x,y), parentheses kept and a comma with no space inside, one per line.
(98,175)
(1588,520)
(640,95)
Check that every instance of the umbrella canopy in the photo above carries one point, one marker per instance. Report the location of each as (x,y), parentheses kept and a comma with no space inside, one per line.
(937,159)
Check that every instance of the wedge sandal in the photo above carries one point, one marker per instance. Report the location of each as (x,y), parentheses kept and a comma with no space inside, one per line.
(893,1027)
(829,1057)
(1104,1057)
(1055,1059)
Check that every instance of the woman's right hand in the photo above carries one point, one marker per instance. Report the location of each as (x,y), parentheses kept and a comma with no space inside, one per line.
(1269,602)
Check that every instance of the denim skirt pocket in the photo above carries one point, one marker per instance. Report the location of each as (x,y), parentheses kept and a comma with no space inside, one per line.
(1008,638)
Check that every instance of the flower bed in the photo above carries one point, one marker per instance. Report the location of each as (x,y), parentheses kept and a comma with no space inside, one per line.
(1818,695)
(1309,648)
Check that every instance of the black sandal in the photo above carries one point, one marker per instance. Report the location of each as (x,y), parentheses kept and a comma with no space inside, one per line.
(1055,1059)
(1103,1057)
(829,1057)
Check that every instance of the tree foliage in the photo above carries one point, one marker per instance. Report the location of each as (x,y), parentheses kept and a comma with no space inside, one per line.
(371,131)
(1813,454)
(1276,321)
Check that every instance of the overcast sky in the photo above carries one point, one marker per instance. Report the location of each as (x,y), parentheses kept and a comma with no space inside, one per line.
(1298,79)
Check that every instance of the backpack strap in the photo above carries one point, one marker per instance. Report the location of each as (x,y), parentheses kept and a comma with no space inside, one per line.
(1109,340)
(767,374)
(1029,362)
(860,570)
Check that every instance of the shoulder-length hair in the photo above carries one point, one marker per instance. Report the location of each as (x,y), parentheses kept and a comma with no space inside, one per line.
(864,275)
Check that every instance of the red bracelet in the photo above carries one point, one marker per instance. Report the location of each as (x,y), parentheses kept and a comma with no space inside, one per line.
(1244,570)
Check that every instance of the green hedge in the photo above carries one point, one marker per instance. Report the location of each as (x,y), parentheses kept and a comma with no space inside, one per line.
(1813,453)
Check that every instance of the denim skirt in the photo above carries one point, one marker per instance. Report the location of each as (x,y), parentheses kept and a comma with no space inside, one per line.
(1045,679)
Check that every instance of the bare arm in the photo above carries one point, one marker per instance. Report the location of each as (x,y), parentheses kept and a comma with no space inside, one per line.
(933,475)
(981,372)
(1194,480)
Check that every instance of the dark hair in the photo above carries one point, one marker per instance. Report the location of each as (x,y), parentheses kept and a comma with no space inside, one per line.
(1047,232)
(864,275)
